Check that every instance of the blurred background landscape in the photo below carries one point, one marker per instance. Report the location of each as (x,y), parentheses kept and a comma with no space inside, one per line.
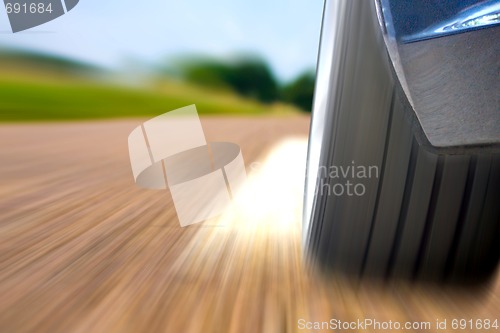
(142,60)
(44,87)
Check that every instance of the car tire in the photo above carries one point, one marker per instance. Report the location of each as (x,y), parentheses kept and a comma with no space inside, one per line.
(429,213)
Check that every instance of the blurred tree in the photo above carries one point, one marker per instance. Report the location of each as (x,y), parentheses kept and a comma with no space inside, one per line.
(301,91)
(254,78)
(247,76)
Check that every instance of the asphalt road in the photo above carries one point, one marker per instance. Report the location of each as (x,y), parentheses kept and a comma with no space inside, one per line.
(82,249)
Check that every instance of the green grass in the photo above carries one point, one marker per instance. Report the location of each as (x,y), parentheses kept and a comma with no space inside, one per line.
(39,96)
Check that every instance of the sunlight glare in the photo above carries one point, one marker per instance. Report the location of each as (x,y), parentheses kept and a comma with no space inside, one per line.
(271,199)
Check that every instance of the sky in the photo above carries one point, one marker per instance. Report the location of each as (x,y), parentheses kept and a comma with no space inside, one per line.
(114,33)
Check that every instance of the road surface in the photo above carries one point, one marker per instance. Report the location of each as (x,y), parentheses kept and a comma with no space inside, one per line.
(82,249)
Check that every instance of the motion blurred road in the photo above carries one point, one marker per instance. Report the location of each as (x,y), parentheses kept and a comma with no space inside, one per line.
(82,249)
